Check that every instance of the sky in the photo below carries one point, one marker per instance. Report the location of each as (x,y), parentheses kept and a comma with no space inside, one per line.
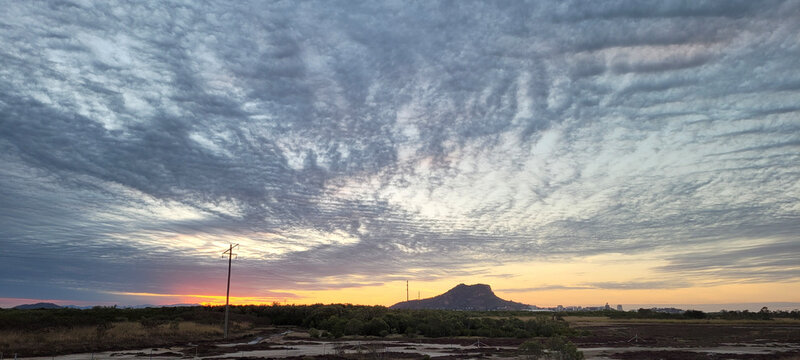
(564,152)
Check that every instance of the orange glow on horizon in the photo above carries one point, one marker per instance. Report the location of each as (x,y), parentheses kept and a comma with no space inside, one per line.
(587,281)
(204,299)
(391,293)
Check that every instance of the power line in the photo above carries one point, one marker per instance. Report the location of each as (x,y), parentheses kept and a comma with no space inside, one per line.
(228,293)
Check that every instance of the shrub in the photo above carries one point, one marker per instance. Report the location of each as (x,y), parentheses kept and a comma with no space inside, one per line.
(694,314)
(561,349)
(150,323)
(532,350)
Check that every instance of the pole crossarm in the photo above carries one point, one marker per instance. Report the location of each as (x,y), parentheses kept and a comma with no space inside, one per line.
(230,250)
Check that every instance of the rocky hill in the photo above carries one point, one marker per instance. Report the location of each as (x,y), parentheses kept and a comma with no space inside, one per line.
(463,297)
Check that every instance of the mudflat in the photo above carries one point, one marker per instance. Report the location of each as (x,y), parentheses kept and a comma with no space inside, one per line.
(687,339)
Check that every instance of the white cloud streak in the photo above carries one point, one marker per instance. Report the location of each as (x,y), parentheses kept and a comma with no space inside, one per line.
(331,133)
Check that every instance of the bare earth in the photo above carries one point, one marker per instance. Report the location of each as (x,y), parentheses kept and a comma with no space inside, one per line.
(601,339)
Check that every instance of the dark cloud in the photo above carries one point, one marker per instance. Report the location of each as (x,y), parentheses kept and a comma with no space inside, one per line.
(627,285)
(546,288)
(749,262)
(346,143)
(575,10)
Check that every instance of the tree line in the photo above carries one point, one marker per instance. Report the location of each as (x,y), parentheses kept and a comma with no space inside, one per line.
(763,314)
(342,319)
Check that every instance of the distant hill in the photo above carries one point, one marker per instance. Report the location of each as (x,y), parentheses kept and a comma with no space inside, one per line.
(37,306)
(463,297)
(54,306)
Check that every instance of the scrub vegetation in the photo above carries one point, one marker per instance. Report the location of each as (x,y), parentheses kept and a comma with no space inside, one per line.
(763,314)
(56,331)
(60,331)
(339,320)
(105,336)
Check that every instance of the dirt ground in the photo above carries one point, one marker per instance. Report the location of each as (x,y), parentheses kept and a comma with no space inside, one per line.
(689,355)
(708,340)
(687,334)
(598,339)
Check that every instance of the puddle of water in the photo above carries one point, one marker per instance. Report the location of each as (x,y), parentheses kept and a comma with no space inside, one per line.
(738,349)
(312,348)
(157,354)
(363,347)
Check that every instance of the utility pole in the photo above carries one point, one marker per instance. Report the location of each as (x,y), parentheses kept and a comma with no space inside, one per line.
(228,293)
(406,290)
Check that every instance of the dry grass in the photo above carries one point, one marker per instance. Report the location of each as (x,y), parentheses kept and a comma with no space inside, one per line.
(521,317)
(118,336)
(603,320)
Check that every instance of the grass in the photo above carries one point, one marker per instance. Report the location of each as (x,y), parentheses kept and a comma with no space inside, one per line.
(599,320)
(605,320)
(114,336)
(521,317)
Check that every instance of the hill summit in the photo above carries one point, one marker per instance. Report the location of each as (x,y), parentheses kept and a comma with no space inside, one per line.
(478,297)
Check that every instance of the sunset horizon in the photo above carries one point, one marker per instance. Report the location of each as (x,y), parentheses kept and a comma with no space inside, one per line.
(393,293)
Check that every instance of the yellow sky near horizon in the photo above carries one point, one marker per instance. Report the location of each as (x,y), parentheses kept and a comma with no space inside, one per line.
(538,283)
(585,281)
(591,281)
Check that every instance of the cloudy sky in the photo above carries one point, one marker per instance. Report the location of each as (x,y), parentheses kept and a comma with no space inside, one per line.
(563,152)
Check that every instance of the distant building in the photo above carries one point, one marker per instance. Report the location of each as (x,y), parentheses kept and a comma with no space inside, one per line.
(607,307)
(559,308)
(619,307)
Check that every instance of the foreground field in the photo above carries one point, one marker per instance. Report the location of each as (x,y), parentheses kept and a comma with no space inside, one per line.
(59,331)
(656,342)
(344,331)
(599,320)
(597,340)
(689,339)
(119,335)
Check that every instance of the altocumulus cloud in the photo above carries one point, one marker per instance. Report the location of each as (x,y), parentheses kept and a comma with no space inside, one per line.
(335,139)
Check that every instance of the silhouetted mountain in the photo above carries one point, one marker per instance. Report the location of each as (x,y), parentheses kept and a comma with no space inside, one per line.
(463,297)
(54,306)
(37,306)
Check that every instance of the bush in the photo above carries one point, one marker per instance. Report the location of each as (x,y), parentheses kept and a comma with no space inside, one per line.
(694,314)
(354,327)
(102,329)
(532,350)
(150,323)
(375,327)
(562,349)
